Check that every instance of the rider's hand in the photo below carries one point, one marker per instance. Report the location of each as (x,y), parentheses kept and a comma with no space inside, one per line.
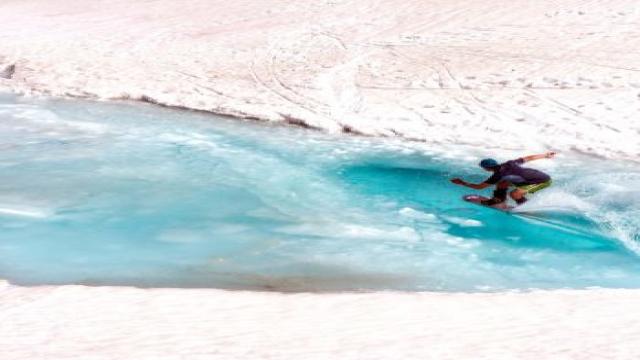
(550,154)
(457,181)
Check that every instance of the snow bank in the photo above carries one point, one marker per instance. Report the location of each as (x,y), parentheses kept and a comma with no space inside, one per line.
(508,74)
(74,322)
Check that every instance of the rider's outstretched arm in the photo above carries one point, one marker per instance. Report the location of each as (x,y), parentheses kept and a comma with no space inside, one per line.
(547,155)
(480,186)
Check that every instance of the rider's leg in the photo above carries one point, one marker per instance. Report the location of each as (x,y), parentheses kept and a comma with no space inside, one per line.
(499,194)
(518,196)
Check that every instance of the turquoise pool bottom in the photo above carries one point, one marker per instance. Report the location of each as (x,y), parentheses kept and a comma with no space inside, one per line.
(116,194)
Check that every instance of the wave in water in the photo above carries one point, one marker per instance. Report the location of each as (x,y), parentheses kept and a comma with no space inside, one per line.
(114,194)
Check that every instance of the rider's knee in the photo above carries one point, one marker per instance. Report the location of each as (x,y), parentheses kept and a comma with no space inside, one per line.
(516,194)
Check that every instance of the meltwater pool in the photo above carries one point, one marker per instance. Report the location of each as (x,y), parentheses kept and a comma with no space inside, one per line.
(131,194)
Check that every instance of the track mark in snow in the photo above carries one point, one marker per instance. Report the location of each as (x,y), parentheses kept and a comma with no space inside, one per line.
(269,78)
(8,71)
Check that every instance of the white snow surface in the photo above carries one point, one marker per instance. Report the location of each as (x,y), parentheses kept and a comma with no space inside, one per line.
(75,322)
(502,74)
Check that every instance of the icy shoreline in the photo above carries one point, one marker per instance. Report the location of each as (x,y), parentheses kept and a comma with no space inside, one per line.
(503,75)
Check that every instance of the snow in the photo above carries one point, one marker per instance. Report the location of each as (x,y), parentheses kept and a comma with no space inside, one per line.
(75,322)
(500,74)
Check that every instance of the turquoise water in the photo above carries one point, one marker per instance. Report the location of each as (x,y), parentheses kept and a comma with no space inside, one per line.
(119,194)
